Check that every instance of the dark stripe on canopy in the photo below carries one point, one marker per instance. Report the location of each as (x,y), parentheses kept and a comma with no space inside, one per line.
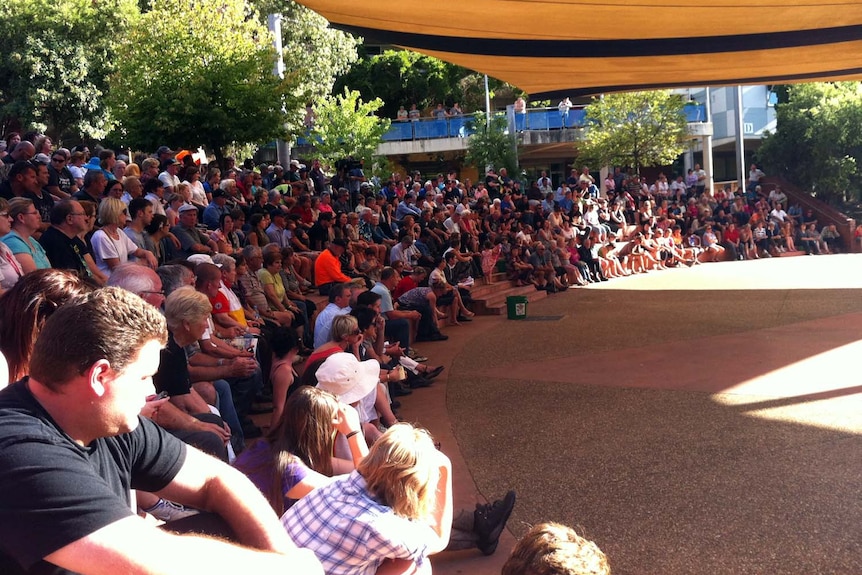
(590,91)
(610,48)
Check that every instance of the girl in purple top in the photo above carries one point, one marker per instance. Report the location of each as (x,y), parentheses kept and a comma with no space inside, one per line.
(296,457)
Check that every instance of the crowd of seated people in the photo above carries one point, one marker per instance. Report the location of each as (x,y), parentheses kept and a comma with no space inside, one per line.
(234,257)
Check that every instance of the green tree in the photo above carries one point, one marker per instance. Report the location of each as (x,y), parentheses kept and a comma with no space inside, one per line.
(490,145)
(345,126)
(199,72)
(818,143)
(634,129)
(401,78)
(55,63)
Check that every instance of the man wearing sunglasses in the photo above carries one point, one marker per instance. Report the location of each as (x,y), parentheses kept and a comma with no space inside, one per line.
(61,182)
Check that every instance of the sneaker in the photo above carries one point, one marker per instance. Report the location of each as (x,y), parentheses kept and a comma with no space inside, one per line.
(167,511)
(411,353)
(490,520)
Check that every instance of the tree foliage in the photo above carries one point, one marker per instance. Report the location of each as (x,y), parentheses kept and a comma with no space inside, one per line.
(818,143)
(55,63)
(402,78)
(198,72)
(490,145)
(634,129)
(345,126)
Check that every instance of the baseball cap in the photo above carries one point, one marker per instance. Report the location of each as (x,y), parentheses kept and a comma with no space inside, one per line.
(186,208)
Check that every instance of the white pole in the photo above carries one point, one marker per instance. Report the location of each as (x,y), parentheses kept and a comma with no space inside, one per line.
(273,21)
(740,139)
(487,103)
(707,144)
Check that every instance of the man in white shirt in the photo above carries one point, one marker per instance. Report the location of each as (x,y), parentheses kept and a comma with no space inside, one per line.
(453,223)
(169,177)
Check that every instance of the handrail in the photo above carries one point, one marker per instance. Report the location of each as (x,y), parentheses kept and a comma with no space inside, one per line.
(539,118)
(826,214)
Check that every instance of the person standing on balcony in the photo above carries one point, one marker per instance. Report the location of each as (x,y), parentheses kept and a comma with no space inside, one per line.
(520,106)
(402,114)
(455,110)
(564,106)
(413,114)
(440,112)
(754,177)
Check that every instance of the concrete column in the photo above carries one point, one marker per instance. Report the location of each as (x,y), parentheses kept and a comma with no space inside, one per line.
(707,144)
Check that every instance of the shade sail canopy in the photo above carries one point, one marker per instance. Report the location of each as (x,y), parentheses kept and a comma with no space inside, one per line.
(581,47)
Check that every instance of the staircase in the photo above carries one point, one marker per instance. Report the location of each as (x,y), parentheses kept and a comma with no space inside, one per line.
(491,299)
(487,299)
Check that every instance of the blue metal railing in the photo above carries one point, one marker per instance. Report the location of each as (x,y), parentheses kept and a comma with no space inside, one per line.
(532,119)
(429,128)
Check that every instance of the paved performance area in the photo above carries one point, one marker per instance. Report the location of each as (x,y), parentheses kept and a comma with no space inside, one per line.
(702,420)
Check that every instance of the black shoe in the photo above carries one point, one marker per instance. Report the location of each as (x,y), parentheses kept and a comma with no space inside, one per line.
(432,373)
(464,318)
(433,337)
(395,404)
(418,382)
(490,520)
(396,390)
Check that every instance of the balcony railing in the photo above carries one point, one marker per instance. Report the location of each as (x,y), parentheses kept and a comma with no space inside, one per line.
(532,119)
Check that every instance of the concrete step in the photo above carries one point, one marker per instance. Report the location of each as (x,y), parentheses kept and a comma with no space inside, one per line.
(495,303)
(791,254)
(500,307)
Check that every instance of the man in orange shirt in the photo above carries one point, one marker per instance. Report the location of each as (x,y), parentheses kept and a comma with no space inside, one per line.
(327,266)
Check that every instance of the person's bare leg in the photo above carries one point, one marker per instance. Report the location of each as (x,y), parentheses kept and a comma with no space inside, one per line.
(463,308)
(383,406)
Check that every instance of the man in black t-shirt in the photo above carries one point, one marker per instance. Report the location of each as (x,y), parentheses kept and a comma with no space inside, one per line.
(42,200)
(73,445)
(65,250)
(61,182)
(319,233)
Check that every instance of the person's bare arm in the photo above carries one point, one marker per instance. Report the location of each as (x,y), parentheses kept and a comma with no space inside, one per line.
(58,193)
(190,403)
(228,323)
(441,517)
(132,546)
(170,417)
(210,368)
(112,263)
(217,347)
(146,256)
(97,274)
(28,264)
(411,315)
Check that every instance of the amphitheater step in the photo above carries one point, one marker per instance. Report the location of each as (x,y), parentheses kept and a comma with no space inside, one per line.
(495,303)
